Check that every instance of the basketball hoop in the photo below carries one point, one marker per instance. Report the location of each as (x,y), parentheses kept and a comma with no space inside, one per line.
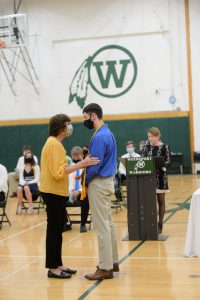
(2,44)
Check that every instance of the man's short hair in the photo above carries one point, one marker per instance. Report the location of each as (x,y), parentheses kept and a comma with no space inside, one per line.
(57,124)
(130,143)
(93,108)
(76,151)
(26,148)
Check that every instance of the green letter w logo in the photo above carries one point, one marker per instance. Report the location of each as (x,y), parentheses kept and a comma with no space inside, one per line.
(111,71)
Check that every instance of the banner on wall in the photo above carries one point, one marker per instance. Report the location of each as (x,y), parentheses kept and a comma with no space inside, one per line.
(111,72)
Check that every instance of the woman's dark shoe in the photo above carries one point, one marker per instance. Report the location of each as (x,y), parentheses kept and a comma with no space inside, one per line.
(62,275)
(160,227)
(69,271)
(83,229)
(67,227)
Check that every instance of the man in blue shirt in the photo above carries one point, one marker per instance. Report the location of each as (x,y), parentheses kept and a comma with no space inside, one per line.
(99,179)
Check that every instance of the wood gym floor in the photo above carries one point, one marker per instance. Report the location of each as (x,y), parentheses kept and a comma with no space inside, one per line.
(148,270)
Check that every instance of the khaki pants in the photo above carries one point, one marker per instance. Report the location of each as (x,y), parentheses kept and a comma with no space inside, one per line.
(99,191)
(13,182)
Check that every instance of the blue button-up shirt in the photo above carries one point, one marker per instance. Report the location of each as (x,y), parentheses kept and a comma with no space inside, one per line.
(103,146)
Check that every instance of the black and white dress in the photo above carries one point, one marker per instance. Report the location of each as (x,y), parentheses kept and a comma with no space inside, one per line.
(161,176)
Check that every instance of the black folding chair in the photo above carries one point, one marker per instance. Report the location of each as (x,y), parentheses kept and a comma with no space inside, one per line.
(3,215)
(77,220)
(37,205)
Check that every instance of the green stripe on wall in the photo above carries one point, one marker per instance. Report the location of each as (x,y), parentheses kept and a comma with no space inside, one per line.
(175,132)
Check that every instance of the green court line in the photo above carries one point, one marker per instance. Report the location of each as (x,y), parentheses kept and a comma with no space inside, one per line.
(98,282)
(84,295)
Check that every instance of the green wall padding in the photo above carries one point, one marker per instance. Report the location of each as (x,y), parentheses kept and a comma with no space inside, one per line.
(175,132)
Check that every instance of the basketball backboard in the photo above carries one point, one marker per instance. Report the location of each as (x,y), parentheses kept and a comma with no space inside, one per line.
(13,30)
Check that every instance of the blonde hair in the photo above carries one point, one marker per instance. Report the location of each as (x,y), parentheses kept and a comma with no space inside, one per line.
(154,131)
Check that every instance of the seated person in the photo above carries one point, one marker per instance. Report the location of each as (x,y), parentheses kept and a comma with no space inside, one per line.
(69,160)
(3,183)
(85,151)
(75,189)
(13,177)
(142,143)
(28,183)
(130,149)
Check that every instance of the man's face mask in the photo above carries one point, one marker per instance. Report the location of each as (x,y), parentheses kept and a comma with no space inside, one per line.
(69,129)
(130,150)
(88,123)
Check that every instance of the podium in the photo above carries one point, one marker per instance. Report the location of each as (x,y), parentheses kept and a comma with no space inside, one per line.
(141,197)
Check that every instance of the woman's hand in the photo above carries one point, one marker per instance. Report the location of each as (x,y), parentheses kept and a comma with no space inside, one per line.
(89,161)
(75,195)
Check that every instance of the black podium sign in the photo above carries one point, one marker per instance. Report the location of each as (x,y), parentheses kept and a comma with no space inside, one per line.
(141,198)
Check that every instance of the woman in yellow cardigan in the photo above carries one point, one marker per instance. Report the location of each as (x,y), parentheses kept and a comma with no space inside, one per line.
(54,189)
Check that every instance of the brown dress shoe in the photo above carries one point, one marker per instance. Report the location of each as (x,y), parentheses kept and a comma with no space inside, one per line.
(100,274)
(115,267)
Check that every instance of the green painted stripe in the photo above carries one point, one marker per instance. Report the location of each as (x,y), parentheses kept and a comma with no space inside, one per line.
(98,282)
(131,252)
(84,295)
(187,199)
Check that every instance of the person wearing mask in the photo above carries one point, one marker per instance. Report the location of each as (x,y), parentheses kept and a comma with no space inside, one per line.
(13,177)
(3,183)
(100,182)
(75,188)
(130,149)
(155,147)
(85,151)
(141,145)
(54,188)
(29,177)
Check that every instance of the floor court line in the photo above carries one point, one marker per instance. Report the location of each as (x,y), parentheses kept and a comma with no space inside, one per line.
(34,261)
(21,232)
(98,282)
(18,270)
(94,257)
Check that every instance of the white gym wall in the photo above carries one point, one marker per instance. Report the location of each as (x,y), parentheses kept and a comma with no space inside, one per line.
(62,34)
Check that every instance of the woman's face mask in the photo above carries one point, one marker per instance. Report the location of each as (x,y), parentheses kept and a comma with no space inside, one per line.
(28,160)
(69,129)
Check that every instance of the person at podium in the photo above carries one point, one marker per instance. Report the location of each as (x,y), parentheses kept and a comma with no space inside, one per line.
(130,152)
(155,147)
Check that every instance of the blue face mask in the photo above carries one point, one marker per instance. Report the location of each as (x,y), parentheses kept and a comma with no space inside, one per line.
(129,150)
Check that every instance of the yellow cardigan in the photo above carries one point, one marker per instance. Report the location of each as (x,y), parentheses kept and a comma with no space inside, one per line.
(53,162)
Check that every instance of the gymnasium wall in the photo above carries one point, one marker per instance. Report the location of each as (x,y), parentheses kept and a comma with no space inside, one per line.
(62,34)
(13,137)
